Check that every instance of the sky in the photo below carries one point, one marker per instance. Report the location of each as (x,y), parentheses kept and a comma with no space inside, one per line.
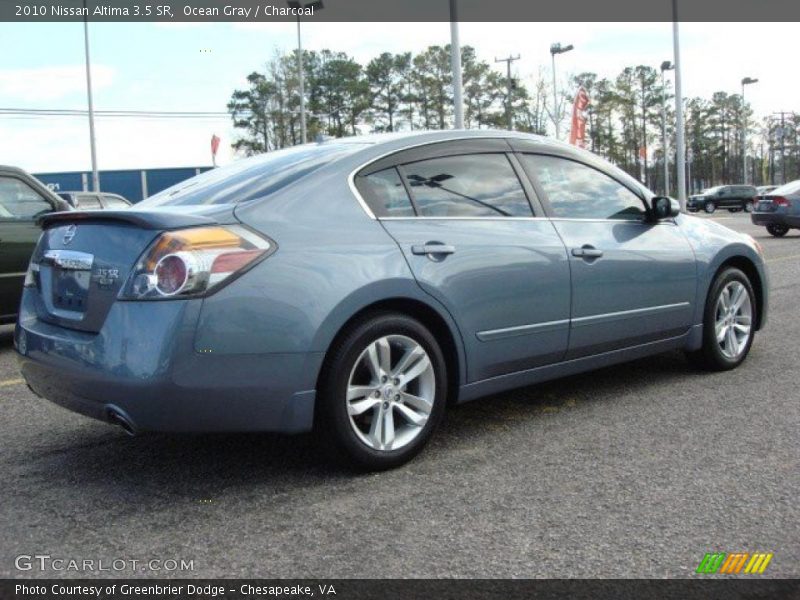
(196,67)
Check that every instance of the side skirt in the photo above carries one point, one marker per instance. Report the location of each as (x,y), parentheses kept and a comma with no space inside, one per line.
(494,385)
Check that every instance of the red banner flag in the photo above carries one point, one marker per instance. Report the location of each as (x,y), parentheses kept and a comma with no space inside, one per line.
(214,145)
(577,134)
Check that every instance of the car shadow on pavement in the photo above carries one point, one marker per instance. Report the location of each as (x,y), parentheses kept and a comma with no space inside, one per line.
(97,460)
(6,336)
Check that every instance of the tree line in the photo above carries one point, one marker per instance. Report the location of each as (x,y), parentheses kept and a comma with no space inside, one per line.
(406,91)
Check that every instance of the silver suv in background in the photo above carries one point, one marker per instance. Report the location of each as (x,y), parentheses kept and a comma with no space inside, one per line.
(95,201)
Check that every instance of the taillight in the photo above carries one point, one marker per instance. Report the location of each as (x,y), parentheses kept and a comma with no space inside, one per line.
(193,262)
(780,201)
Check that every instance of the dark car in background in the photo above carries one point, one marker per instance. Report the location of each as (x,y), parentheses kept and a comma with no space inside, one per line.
(95,201)
(732,197)
(779,211)
(23,198)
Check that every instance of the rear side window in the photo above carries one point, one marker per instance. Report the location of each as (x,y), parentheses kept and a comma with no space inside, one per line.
(577,191)
(385,194)
(475,185)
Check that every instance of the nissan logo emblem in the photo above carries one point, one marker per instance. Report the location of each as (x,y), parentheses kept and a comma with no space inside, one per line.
(69,234)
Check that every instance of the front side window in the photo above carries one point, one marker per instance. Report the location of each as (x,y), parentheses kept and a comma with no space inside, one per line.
(18,200)
(385,194)
(577,191)
(475,185)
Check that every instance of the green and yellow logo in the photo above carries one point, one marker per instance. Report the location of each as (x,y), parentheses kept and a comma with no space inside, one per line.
(734,563)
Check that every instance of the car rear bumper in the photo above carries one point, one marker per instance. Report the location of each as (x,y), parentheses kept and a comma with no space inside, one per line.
(142,366)
(765,218)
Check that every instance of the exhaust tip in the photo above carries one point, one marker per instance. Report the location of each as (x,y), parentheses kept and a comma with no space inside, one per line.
(117,417)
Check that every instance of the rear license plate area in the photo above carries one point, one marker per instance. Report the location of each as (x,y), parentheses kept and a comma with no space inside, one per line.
(71,289)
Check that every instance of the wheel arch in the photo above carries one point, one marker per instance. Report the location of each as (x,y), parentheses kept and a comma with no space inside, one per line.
(748,267)
(435,320)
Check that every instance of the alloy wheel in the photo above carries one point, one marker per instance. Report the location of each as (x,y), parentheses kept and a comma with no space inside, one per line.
(710,207)
(734,319)
(390,392)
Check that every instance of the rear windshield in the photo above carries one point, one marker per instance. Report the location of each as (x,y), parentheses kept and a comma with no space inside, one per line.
(788,188)
(253,177)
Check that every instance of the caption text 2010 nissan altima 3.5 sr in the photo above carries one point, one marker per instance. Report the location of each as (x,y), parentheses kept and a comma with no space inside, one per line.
(359,286)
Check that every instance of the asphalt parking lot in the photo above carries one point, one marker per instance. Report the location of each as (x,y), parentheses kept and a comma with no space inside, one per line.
(632,471)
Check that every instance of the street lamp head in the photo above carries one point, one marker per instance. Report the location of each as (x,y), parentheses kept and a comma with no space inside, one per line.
(557,48)
(749,80)
(667,66)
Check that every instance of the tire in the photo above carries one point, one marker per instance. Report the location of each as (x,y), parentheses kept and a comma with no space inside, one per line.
(748,206)
(716,355)
(710,207)
(777,230)
(351,381)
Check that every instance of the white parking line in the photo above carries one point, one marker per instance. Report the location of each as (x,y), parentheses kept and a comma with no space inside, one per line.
(8,382)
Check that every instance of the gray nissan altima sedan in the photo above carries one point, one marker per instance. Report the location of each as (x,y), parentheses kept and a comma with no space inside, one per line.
(360,286)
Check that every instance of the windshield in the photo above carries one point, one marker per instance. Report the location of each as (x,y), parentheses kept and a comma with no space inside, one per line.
(788,188)
(253,177)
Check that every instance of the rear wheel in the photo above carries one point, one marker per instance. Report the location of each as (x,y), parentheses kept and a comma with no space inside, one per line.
(710,207)
(383,391)
(777,230)
(728,322)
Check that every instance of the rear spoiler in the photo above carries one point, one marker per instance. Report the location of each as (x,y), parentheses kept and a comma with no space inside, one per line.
(144,219)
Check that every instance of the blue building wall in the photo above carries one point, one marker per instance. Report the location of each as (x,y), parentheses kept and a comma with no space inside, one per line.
(127,183)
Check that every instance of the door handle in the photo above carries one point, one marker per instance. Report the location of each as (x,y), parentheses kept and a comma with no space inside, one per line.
(587,251)
(432,248)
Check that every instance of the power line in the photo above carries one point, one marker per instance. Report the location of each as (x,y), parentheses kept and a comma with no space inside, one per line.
(59,112)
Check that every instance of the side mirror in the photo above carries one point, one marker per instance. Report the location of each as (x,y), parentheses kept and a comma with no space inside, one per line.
(664,208)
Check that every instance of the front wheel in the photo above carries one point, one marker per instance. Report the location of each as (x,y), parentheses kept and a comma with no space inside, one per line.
(728,322)
(710,207)
(777,230)
(748,206)
(383,391)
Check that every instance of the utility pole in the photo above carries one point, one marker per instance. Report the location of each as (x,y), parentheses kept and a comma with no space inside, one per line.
(317,5)
(680,142)
(92,142)
(508,62)
(455,66)
(665,66)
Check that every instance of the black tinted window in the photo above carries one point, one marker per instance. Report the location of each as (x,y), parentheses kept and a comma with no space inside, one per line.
(385,194)
(475,185)
(577,191)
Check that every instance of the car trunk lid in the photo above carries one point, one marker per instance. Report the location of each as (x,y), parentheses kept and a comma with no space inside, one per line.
(84,258)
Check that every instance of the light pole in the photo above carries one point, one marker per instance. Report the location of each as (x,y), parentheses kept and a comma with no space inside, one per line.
(455,66)
(557,48)
(665,66)
(92,143)
(317,5)
(745,81)
(680,142)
